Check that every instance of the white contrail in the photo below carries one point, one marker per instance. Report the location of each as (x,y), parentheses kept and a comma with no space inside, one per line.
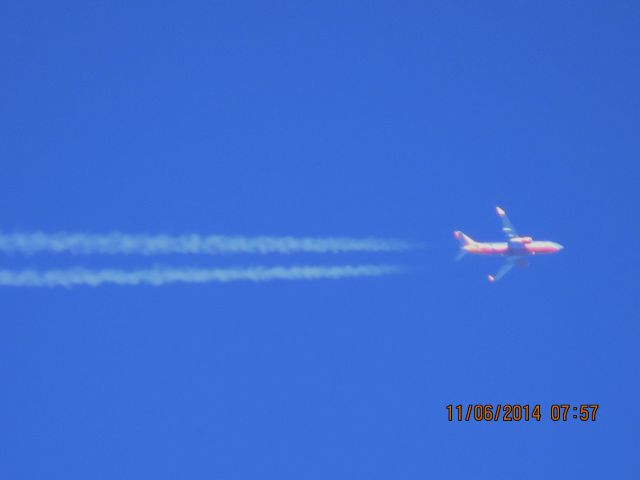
(162,276)
(121,243)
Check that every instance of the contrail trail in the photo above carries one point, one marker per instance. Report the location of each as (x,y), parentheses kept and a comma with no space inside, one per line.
(163,276)
(121,243)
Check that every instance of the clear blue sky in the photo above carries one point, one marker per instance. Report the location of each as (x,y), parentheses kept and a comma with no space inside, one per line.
(403,119)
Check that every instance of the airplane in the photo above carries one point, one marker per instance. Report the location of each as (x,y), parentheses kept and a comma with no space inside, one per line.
(515,250)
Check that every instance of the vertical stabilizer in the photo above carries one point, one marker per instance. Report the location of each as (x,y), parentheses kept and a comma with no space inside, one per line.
(463,241)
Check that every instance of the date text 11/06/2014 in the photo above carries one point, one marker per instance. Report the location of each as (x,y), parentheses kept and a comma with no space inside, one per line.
(515,412)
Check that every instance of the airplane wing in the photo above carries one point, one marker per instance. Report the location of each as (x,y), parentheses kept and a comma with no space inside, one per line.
(504,269)
(507,227)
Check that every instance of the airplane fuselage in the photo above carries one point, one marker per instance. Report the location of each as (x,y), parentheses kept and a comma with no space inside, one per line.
(533,247)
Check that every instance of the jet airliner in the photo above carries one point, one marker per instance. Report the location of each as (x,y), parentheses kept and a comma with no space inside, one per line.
(515,250)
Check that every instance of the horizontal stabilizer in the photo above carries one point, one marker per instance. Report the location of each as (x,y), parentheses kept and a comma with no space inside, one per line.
(461,255)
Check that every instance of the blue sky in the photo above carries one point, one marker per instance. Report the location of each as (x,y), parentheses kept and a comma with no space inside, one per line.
(401,120)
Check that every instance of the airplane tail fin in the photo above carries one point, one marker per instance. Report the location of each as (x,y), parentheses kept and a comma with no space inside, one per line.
(463,240)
